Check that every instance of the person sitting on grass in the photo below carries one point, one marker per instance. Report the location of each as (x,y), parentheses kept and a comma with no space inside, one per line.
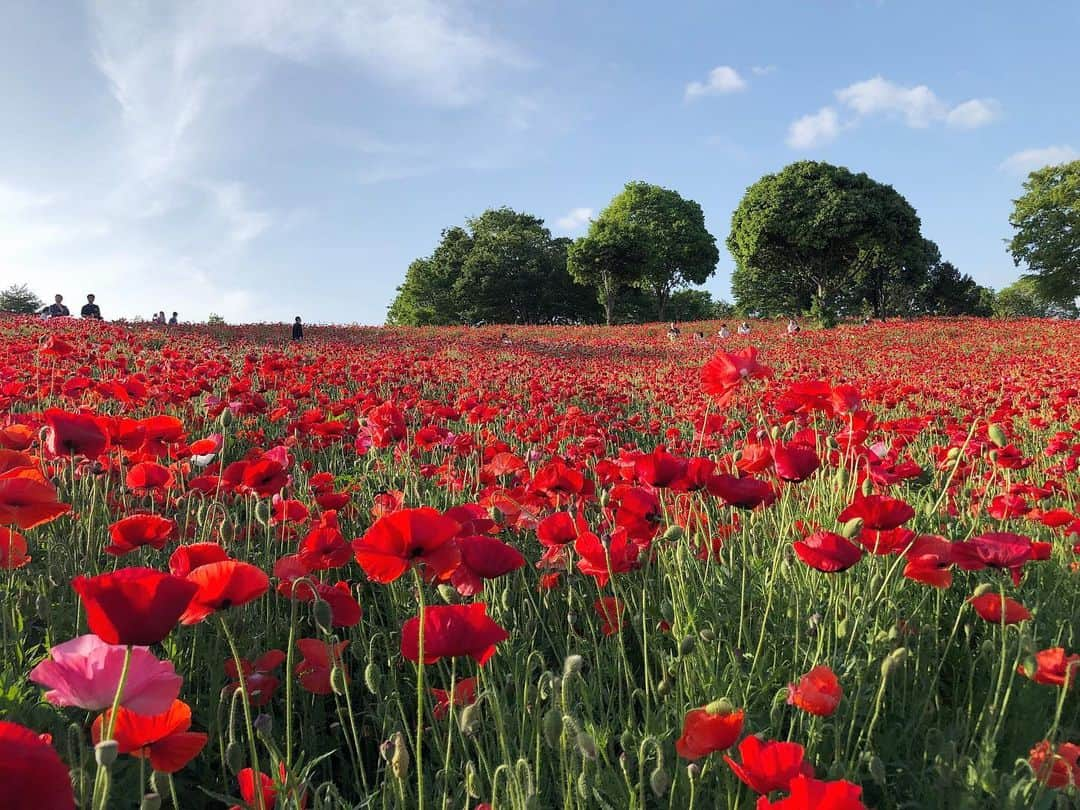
(673,332)
(724,332)
(56,309)
(744,328)
(792,327)
(90,309)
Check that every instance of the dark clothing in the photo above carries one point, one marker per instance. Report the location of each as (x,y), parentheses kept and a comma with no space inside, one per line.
(297,331)
(56,310)
(173,321)
(91,311)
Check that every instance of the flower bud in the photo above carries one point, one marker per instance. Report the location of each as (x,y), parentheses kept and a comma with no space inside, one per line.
(472,787)
(150,801)
(667,610)
(665,686)
(997,435)
(372,678)
(338,681)
(234,757)
(983,589)
(323,615)
(721,706)
(877,770)
(952,454)
(264,725)
(674,534)
(399,762)
(572,664)
(105,753)
(686,646)
(586,746)
(659,781)
(447,593)
(852,528)
(227,418)
(693,771)
(583,785)
(42,607)
(552,725)
(263,512)
(893,661)
(867,487)
(469,719)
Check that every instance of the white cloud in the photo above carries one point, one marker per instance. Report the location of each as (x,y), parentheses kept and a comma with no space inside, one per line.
(1028,160)
(721,80)
(972,114)
(814,130)
(918,107)
(575,219)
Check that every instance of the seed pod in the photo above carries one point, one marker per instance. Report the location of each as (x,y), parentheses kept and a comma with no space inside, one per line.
(659,781)
(572,664)
(372,678)
(234,757)
(400,761)
(105,753)
(150,801)
(997,435)
(852,528)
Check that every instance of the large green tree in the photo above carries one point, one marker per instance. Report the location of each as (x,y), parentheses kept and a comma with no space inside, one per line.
(20,299)
(502,267)
(947,291)
(1024,299)
(819,236)
(609,259)
(1047,238)
(675,247)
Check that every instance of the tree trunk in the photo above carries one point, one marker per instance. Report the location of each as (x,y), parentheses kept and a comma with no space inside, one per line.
(661,303)
(609,298)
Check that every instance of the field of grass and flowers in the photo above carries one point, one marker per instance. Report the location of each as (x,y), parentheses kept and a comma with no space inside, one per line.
(565,568)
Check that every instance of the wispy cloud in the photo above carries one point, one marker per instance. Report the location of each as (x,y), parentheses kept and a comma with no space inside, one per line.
(1028,160)
(763,70)
(720,81)
(916,106)
(575,219)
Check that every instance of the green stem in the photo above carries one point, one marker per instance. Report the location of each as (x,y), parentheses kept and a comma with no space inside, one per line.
(246,703)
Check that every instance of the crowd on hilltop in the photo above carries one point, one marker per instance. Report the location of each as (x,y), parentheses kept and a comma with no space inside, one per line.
(91,311)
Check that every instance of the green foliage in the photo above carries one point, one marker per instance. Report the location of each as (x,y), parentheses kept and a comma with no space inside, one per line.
(1024,299)
(818,231)
(214,319)
(947,291)
(503,267)
(609,259)
(20,299)
(1047,238)
(676,248)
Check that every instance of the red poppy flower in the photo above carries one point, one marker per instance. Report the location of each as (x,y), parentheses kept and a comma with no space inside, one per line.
(483,557)
(408,537)
(318,661)
(187,558)
(324,547)
(27,499)
(13,460)
(929,559)
(32,774)
(464,695)
(165,739)
(619,556)
(258,676)
(221,585)
(768,766)
(994,550)
(724,372)
(992,606)
(16,437)
(1053,667)
(794,463)
(148,475)
(828,552)
(817,692)
(558,529)
(744,493)
(264,477)
(715,727)
(12,550)
(611,611)
(288,510)
(886,541)
(345,611)
(246,781)
(136,531)
(878,512)
(134,605)
(74,434)
(1056,767)
(813,794)
(451,631)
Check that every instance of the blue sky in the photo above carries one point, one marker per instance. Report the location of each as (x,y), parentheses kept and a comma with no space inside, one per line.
(267,158)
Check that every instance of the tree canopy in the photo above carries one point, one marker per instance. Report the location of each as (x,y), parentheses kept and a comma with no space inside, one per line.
(1024,299)
(1047,238)
(818,235)
(947,291)
(502,267)
(20,299)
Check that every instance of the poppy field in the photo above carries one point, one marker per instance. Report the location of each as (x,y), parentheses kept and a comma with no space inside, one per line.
(568,567)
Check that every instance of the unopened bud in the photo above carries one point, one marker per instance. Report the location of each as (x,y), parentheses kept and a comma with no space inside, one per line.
(552,725)
(234,757)
(586,746)
(952,454)
(150,801)
(659,781)
(227,418)
(722,706)
(877,770)
(867,487)
(399,762)
(263,512)
(693,771)
(471,786)
(984,589)
(997,435)
(372,678)
(893,661)
(572,664)
(665,686)
(469,719)
(105,753)
(852,528)
(447,594)
(667,610)
(674,534)
(323,615)
(338,681)
(686,646)
(264,725)
(583,785)
(43,608)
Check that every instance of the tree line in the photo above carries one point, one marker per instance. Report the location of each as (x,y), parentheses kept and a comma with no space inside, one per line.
(813,239)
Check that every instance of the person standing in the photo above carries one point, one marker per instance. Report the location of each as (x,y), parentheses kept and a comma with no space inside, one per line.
(56,309)
(297,329)
(90,309)
(174,320)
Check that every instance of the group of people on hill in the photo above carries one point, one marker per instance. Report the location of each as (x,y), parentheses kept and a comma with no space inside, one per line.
(723,332)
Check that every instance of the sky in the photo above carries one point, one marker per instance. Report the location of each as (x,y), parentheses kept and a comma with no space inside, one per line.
(262,159)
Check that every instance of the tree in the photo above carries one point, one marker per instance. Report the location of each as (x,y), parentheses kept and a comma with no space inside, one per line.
(608,258)
(947,291)
(1047,238)
(671,236)
(18,298)
(502,267)
(818,232)
(1024,299)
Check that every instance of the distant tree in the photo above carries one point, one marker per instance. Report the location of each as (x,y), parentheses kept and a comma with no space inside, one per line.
(502,267)
(1024,299)
(214,319)
(677,248)
(693,305)
(947,291)
(1047,238)
(815,231)
(608,259)
(18,298)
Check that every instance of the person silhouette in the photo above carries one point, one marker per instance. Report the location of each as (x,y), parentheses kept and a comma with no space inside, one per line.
(90,309)
(297,329)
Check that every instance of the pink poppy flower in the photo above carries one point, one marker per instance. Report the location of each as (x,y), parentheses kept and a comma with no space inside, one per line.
(85,672)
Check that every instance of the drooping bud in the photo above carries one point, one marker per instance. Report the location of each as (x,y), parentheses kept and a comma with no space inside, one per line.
(552,725)
(877,770)
(659,781)
(447,594)
(893,661)
(667,610)
(867,487)
(264,725)
(323,615)
(722,706)
(997,435)
(234,757)
(693,771)
(337,681)
(150,801)
(400,761)
(263,512)
(686,646)
(852,528)
(469,719)
(983,589)
(105,753)
(471,779)
(42,607)
(586,745)
(674,534)
(665,686)
(372,678)
(572,665)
